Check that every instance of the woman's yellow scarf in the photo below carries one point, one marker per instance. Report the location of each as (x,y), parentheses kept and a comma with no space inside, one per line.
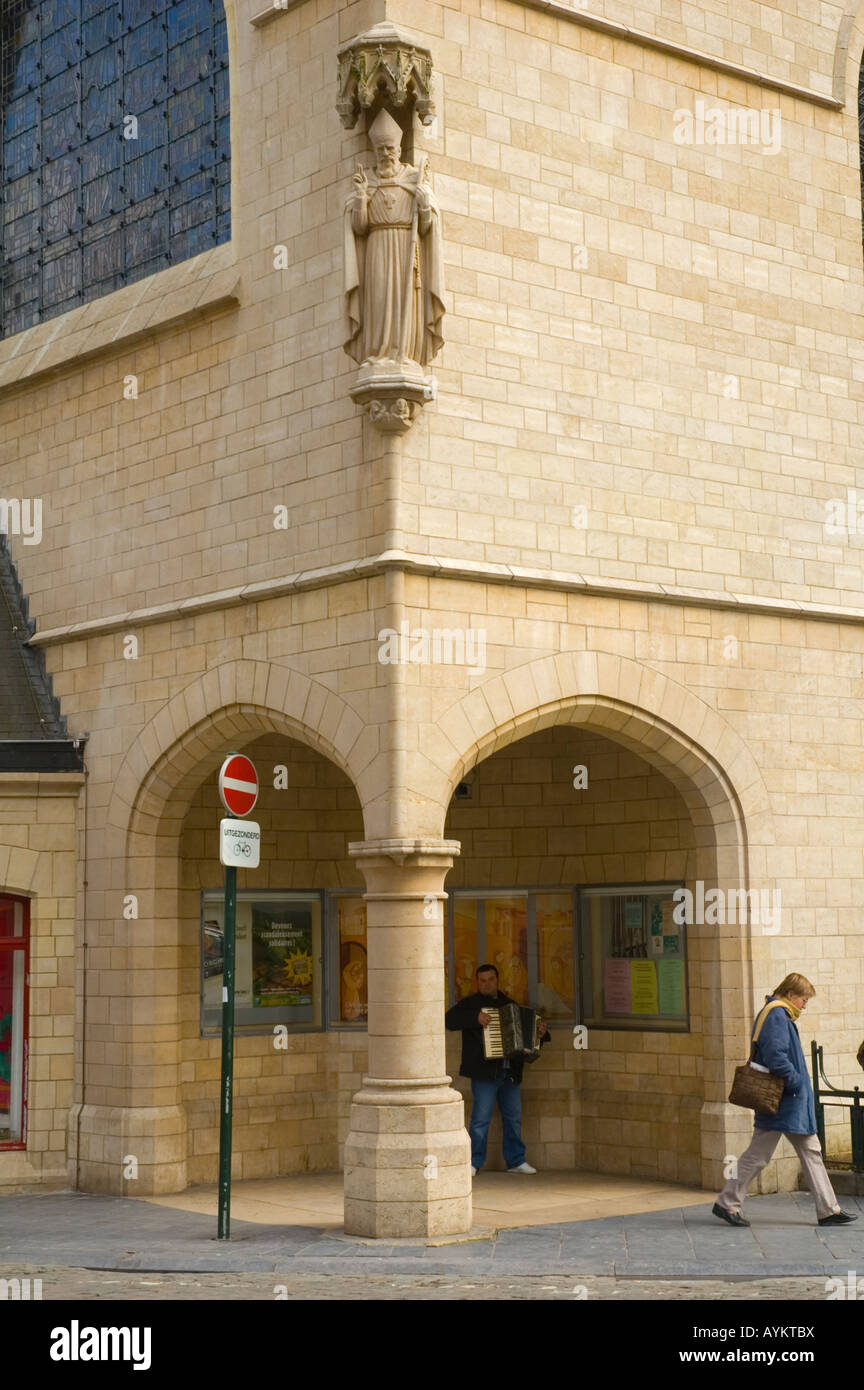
(790,1008)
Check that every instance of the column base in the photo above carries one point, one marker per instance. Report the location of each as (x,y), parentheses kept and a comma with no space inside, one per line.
(726,1130)
(407,1161)
(129,1151)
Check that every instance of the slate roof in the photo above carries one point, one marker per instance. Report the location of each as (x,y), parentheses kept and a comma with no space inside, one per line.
(33,735)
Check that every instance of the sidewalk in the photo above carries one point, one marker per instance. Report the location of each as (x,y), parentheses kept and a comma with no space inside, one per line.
(80,1230)
(499,1199)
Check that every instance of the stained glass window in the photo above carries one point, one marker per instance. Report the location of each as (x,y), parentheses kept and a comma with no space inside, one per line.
(115,155)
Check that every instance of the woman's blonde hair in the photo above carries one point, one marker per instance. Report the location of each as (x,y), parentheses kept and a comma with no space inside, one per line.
(795,984)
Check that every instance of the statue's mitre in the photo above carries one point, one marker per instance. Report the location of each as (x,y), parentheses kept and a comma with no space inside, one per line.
(384,130)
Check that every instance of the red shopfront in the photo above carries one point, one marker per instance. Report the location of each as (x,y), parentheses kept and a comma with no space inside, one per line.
(14,967)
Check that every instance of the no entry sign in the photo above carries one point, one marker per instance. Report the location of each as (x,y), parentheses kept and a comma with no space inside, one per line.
(238,784)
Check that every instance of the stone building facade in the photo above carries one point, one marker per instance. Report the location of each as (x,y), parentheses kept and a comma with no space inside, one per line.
(632,498)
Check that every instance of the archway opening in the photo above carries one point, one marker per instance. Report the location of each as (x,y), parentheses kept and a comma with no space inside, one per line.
(575,839)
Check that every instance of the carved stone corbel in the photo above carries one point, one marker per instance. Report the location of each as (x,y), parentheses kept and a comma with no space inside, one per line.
(390,397)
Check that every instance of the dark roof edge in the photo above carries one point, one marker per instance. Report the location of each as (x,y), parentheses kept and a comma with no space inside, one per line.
(42,755)
(46,706)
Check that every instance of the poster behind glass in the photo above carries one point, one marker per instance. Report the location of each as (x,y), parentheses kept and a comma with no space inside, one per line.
(637,959)
(464,946)
(277,963)
(507,944)
(556,986)
(353,967)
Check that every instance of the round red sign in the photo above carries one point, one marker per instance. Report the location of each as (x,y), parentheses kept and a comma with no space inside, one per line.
(238,784)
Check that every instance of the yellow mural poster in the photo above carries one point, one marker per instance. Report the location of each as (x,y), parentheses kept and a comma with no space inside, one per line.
(465,946)
(353,981)
(556,991)
(507,944)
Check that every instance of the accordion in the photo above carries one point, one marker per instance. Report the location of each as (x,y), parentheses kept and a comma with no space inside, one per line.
(512,1030)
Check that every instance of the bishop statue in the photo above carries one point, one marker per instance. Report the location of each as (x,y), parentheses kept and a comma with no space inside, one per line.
(393,273)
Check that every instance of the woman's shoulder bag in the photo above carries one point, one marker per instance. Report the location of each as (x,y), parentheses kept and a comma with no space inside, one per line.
(754,1088)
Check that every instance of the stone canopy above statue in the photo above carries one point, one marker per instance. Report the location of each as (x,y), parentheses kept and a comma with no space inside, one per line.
(393,257)
(384,61)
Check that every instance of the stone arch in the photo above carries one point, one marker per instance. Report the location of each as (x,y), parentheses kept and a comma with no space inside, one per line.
(637,706)
(235,703)
(716,776)
(136,857)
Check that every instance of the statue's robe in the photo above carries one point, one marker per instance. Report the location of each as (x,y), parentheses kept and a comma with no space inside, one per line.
(393,282)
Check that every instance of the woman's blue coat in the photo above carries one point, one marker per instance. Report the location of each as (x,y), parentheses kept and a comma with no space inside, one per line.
(779,1049)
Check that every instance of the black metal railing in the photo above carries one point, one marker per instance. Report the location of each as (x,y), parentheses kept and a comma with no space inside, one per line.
(850,1100)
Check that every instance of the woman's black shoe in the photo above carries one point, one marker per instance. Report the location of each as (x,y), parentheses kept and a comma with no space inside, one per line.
(733,1217)
(837,1218)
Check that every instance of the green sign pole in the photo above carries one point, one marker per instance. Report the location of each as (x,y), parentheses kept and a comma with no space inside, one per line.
(227,1090)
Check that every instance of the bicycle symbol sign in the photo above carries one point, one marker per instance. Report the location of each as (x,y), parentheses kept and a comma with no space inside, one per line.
(239,843)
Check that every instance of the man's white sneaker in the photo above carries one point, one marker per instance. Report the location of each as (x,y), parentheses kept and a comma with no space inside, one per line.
(523,1168)
(473,1172)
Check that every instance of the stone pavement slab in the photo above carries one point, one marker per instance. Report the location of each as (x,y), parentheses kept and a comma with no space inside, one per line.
(82,1230)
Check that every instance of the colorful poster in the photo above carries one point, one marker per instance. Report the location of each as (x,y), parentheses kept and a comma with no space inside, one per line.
(507,944)
(671,945)
(670,985)
(282,958)
(353,970)
(616,987)
(556,990)
(657,944)
(643,986)
(465,946)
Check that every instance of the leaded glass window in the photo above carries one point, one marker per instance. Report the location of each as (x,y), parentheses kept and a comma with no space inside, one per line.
(115,158)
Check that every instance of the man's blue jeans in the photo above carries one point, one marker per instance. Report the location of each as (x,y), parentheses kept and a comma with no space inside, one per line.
(510,1103)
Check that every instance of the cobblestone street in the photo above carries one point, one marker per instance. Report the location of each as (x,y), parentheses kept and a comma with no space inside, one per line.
(74,1285)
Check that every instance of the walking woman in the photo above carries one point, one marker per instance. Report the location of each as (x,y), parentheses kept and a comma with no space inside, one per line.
(778,1049)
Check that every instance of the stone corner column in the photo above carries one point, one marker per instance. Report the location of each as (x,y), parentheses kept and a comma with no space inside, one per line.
(407,1154)
(128,1151)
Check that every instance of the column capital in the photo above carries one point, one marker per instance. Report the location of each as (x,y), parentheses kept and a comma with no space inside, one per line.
(406,851)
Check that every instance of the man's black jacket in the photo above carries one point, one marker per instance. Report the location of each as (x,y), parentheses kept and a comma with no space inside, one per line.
(464,1015)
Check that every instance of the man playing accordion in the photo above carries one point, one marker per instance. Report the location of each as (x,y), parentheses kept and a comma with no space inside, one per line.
(491,1077)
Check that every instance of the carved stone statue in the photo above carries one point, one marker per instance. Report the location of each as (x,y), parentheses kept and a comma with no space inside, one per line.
(393,271)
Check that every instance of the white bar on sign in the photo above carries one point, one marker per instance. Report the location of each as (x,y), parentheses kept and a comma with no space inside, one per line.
(237,786)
